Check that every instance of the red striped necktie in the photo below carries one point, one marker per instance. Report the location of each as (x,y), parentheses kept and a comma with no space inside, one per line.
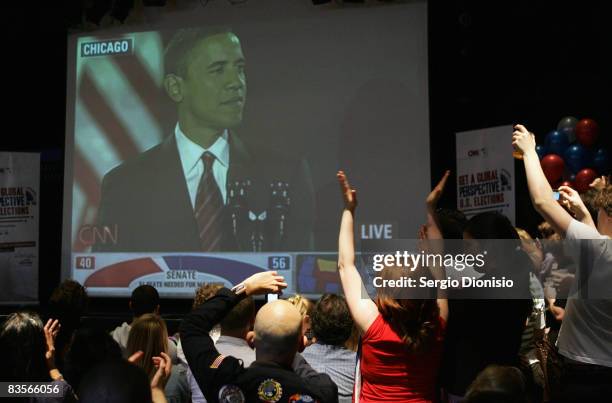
(209,207)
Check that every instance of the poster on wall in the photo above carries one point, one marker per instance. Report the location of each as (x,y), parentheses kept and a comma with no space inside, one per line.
(485,171)
(19,215)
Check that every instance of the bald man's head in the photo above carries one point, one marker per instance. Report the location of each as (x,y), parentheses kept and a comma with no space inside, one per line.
(278,328)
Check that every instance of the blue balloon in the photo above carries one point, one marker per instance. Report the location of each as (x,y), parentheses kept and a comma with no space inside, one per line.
(601,161)
(569,132)
(556,142)
(572,178)
(576,158)
(541,150)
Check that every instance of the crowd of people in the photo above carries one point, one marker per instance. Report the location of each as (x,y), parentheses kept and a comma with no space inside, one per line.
(554,344)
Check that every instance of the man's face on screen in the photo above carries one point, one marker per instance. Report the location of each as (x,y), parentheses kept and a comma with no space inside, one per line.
(215,82)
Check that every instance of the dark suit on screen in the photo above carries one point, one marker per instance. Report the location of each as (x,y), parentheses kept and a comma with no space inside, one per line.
(147,198)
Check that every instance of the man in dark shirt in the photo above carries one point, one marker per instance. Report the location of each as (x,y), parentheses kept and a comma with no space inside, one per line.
(278,336)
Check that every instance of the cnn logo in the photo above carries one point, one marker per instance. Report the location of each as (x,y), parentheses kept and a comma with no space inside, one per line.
(92,234)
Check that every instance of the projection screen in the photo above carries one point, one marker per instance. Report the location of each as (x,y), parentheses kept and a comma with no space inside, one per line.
(279,95)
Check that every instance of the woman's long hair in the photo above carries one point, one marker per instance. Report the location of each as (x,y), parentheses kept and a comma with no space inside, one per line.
(23,347)
(149,335)
(412,314)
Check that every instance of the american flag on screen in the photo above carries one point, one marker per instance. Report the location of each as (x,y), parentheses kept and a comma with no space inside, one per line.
(117,115)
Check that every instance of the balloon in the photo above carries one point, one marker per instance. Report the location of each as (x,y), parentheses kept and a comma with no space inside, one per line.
(584,179)
(552,165)
(567,126)
(541,150)
(568,132)
(601,161)
(556,142)
(587,131)
(568,121)
(568,184)
(572,178)
(576,157)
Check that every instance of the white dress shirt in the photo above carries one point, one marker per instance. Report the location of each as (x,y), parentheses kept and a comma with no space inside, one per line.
(193,167)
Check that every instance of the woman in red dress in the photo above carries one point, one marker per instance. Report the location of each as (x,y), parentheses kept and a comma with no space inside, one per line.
(402,339)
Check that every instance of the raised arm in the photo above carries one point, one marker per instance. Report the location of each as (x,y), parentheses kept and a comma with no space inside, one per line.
(51,330)
(571,199)
(600,183)
(363,309)
(209,368)
(431,203)
(431,232)
(539,189)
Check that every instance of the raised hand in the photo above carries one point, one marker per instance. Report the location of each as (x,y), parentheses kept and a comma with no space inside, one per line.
(349,195)
(572,201)
(523,140)
(423,239)
(163,363)
(51,330)
(600,183)
(436,193)
(265,282)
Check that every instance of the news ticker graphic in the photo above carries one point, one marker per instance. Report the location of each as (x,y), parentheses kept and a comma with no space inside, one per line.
(487,269)
(32,389)
(180,274)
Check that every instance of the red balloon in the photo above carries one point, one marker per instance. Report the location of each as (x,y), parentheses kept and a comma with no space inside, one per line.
(587,131)
(553,166)
(584,179)
(567,183)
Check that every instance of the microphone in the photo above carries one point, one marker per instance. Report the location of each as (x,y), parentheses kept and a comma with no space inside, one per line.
(257,231)
(280,203)
(238,206)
